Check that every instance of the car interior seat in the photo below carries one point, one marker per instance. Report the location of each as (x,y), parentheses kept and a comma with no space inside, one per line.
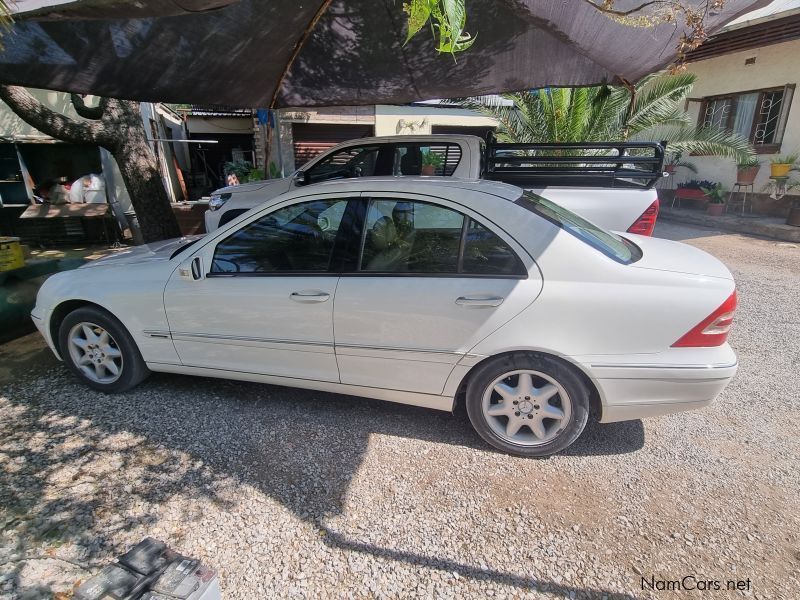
(411,163)
(383,243)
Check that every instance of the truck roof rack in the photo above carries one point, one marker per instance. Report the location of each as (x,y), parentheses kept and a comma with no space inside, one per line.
(583,164)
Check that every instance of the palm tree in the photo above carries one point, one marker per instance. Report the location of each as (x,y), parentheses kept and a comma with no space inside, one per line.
(606,113)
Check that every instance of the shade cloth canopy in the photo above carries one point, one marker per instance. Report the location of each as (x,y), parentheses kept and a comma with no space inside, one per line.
(277,53)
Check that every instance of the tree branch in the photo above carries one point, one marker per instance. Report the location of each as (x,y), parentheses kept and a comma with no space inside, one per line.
(54,124)
(608,7)
(94,113)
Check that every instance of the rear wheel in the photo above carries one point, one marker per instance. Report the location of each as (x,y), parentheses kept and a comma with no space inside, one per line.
(100,351)
(529,405)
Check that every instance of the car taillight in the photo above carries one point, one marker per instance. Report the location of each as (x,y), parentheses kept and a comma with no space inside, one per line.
(645,224)
(713,330)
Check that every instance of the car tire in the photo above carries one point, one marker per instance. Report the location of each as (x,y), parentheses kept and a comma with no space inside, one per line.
(530,405)
(93,344)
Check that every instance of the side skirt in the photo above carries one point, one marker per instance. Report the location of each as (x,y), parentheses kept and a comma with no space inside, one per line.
(444,403)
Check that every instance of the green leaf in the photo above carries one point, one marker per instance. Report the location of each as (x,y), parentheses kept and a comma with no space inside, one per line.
(447,18)
(418,11)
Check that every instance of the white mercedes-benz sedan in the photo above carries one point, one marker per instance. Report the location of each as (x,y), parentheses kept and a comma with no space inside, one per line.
(425,291)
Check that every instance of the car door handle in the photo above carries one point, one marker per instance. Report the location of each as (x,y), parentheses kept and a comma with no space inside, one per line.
(309,296)
(480,300)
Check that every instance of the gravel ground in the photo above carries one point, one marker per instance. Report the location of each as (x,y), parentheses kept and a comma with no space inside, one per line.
(303,494)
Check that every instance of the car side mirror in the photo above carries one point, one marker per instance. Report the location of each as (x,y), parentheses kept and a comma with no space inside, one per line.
(300,178)
(191,270)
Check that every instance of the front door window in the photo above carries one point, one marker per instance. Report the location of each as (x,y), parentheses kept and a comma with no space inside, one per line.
(294,239)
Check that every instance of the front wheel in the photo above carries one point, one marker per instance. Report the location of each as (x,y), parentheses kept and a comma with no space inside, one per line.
(100,351)
(528,405)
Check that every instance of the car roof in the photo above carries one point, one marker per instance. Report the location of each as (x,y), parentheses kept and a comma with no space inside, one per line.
(422,185)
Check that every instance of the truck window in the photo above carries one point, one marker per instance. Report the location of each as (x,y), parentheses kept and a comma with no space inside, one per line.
(355,161)
(411,158)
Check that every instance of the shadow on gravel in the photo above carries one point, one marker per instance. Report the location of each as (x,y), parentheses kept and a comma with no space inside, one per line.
(600,439)
(63,446)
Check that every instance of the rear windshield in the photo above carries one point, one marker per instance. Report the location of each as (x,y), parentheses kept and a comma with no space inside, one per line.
(613,246)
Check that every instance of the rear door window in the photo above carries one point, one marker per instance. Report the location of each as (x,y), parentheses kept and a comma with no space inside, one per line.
(485,253)
(406,236)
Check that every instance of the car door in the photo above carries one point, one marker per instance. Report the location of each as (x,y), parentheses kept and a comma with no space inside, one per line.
(263,301)
(432,280)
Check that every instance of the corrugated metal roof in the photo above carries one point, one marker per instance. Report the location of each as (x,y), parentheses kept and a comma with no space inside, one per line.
(774,10)
(201,110)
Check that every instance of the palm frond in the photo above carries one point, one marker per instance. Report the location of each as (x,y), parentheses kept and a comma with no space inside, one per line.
(700,141)
(658,98)
(600,113)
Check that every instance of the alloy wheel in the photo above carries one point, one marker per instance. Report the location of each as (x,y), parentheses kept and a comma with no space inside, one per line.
(95,352)
(526,407)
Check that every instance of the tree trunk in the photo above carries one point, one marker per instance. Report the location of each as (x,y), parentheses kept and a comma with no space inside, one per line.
(117,126)
(142,179)
(139,168)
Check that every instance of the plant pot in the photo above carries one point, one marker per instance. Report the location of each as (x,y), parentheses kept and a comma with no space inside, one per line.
(780,169)
(747,175)
(690,194)
(428,170)
(715,210)
(794,217)
(670,169)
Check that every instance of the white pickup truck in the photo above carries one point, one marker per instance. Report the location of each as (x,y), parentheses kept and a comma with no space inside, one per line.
(609,183)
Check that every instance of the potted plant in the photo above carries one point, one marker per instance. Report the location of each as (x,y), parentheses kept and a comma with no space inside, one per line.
(430,162)
(693,189)
(674,162)
(716,199)
(781,165)
(746,170)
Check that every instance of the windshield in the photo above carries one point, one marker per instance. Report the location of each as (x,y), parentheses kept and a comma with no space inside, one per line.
(613,246)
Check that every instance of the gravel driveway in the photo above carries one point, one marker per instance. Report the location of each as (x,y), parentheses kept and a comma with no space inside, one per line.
(304,494)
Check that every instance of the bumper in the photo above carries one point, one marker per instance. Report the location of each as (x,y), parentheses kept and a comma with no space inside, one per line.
(41,319)
(635,390)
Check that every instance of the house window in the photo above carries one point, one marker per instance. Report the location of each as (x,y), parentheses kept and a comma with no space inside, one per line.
(759,115)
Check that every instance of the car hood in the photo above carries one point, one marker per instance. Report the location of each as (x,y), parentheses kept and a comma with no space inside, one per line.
(676,257)
(154,252)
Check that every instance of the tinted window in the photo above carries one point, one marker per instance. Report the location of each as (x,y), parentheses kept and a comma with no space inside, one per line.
(606,242)
(357,161)
(295,238)
(412,158)
(411,237)
(486,254)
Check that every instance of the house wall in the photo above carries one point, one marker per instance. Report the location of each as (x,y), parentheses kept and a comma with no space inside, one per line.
(776,65)
(400,120)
